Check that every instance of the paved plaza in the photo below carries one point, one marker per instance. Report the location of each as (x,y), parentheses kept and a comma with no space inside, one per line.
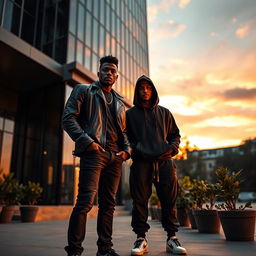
(47,238)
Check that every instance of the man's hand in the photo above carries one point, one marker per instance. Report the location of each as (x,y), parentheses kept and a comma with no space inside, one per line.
(123,154)
(95,147)
(167,153)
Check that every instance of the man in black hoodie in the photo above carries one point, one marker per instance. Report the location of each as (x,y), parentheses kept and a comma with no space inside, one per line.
(155,139)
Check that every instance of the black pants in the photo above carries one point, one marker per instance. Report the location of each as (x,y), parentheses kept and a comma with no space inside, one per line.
(141,178)
(99,172)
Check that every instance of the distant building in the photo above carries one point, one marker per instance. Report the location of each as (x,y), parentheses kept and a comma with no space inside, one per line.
(46,47)
(207,158)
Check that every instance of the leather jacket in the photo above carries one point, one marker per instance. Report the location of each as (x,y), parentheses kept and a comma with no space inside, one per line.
(85,117)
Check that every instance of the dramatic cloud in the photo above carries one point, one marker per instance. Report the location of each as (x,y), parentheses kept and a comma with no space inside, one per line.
(243,31)
(183,3)
(213,34)
(152,13)
(240,94)
(234,20)
(170,29)
(203,73)
(159,7)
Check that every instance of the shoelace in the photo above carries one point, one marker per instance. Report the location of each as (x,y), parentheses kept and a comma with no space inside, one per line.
(137,243)
(176,241)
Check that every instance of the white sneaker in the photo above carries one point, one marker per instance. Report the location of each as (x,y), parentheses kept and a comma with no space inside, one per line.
(140,246)
(173,245)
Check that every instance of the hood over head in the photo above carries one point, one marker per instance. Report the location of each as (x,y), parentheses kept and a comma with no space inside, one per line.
(154,100)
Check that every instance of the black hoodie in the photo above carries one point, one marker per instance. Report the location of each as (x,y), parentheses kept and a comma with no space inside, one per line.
(151,131)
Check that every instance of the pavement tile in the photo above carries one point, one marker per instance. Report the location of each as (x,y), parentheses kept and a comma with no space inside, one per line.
(48,238)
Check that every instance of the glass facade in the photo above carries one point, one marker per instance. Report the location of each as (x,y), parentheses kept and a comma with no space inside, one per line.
(41,23)
(32,142)
(84,31)
(117,27)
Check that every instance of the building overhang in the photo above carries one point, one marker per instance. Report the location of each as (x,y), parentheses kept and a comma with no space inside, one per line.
(23,67)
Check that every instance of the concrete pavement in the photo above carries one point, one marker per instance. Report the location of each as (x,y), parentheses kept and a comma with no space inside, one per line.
(47,238)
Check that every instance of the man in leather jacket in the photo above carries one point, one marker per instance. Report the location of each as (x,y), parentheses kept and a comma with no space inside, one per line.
(94,117)
(155,139)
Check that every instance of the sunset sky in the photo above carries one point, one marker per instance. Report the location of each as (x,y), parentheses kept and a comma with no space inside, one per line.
(203,61)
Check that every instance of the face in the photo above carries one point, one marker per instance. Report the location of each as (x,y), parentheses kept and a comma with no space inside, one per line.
(108,74)
(145,90)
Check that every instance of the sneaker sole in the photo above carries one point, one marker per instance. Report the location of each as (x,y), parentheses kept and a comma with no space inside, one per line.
(140,253)
(168,249)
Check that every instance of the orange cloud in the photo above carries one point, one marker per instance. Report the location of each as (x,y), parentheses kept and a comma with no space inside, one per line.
(183,3)
(243,31)
(213,34)
(156,9)
(170,29)
(240,94)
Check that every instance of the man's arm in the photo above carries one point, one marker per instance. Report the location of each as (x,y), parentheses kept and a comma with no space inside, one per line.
(71,114)
(126,152)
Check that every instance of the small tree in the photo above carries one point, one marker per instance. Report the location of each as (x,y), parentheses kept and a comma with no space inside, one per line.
(154,200)
(230,188)
(32,192)
(197,193)
(11,192)
(211,193)
(183,198)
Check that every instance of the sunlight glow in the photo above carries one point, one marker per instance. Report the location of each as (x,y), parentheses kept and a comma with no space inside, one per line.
(224,121)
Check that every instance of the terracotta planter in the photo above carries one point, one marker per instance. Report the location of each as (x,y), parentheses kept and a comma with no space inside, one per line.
(7,214)
(28,213)
(238,225)
(207,221)
(183,217)
(192,219)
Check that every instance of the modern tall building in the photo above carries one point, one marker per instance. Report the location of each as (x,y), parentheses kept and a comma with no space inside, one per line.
(46,47)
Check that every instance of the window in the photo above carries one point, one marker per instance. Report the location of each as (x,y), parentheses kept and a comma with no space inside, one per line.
(87,58)
(88,33)
(79,52)
(95,41)
(12,17)
(71,48)
(6,141)
(80,31)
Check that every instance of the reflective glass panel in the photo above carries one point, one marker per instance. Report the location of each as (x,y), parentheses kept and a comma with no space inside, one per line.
(79,52)
(80,32)
(6,152)
(8,125)
(87,58)
(71,48)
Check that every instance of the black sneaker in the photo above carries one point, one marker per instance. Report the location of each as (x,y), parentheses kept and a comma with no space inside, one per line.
(140,246)
(110,252)
(173,245)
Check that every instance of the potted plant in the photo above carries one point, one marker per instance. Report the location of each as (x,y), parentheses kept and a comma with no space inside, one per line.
(32,192)
(196,195)
(183,202)
(207,218)
(10,195)
(238,223)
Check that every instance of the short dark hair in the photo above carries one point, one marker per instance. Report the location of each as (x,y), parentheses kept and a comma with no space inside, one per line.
(109,59)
